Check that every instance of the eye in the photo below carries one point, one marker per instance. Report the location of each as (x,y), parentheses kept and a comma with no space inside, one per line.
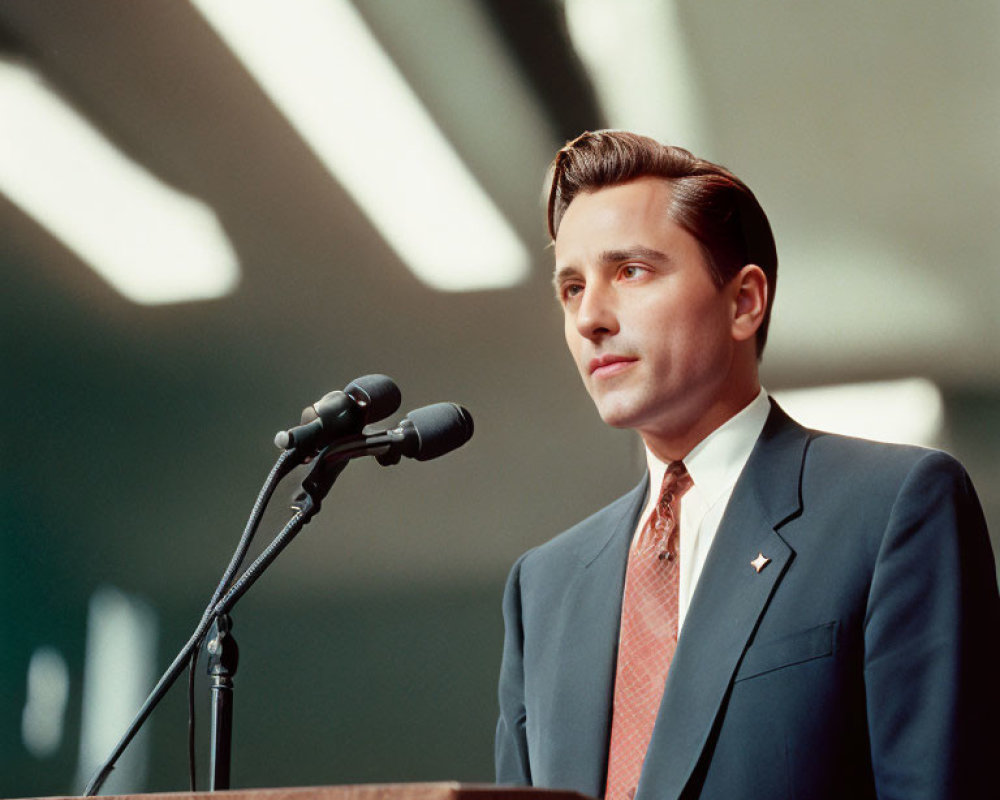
(570,290)
(631,271)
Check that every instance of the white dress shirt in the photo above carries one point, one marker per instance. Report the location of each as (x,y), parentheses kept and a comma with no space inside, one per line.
(714,465)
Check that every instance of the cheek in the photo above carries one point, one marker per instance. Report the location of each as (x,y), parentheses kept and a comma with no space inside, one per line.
(710,344)
(689,336)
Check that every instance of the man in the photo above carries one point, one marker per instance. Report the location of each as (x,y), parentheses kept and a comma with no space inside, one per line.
(773,612)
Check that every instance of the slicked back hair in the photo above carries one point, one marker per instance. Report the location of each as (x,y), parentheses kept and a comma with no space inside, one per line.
(707,200)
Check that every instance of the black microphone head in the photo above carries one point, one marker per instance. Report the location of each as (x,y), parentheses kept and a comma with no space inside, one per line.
(377,393)
(440,428)
(336,414)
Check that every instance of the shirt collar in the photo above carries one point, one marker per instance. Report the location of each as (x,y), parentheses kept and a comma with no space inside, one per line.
(716,461)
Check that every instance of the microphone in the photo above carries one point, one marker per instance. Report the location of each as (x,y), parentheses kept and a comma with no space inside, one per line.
(425,433)
(364,400)
(429,432)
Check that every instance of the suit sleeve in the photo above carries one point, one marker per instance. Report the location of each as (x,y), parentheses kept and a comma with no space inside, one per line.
(511,751)
(931,647)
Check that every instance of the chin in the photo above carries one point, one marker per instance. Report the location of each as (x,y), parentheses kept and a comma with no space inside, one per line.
(618,417)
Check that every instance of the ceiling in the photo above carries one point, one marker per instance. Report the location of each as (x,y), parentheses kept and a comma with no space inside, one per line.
(868,131)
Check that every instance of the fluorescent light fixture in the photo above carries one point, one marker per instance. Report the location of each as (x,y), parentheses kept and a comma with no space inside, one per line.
(907,411)
(149,241)
(322,67)
(636,55)
(43,717)
(118,673)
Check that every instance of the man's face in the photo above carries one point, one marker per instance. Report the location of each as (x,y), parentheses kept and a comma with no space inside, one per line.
(649,331)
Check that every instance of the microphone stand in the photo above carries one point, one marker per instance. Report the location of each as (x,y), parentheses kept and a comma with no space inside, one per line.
(387,446)
(222,648)
(285,463)
(223,658)
(445,426)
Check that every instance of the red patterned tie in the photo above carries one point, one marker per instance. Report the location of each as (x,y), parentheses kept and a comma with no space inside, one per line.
(648,635)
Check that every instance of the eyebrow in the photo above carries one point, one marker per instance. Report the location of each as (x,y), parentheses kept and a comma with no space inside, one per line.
(629,253)
(615,257)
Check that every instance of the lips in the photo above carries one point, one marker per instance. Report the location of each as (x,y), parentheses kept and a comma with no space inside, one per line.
(608,365)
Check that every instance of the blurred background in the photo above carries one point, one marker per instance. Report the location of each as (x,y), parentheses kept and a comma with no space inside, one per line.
(213,213)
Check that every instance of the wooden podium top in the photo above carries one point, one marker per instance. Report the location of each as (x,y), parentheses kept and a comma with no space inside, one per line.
(368,791)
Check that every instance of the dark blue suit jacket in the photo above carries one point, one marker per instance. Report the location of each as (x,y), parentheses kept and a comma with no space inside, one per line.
(861,662)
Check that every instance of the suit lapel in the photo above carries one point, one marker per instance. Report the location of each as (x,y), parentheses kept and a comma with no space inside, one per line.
(591,640)
(728,602)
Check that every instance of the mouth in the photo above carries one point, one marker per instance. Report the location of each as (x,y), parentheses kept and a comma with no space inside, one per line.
(607,366)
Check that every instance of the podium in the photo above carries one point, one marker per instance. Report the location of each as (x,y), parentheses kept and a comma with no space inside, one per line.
(370,791)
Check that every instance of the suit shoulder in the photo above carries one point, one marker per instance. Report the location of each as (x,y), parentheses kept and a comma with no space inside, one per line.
(864,460)
(587,537)
(874,482)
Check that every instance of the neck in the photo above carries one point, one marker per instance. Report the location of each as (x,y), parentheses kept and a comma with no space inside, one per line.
(675,445)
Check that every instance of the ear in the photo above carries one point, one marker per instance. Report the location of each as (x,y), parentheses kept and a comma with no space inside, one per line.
(749,288)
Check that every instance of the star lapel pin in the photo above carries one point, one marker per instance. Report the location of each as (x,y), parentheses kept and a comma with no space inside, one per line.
(760,562)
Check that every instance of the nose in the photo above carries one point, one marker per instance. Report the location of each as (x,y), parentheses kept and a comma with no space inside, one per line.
(596,315)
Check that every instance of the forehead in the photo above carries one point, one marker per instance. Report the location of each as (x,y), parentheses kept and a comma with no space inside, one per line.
(630,214)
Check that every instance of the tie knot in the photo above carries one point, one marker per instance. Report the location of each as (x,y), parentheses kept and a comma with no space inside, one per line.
(676,481)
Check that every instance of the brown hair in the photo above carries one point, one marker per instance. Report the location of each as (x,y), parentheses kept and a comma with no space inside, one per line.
(708,201)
